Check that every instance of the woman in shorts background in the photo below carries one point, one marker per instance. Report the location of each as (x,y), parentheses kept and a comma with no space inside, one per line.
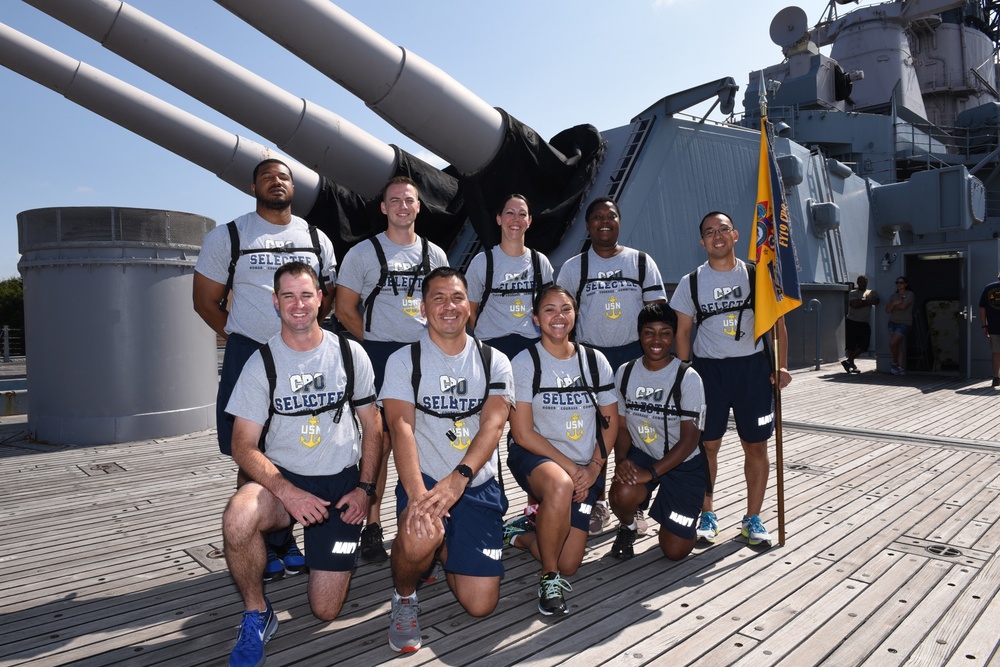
(900,309)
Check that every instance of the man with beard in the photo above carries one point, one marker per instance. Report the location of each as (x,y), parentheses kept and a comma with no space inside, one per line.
(241,257)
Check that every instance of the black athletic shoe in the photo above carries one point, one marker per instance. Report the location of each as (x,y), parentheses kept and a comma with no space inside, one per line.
(372,549)
(622,548)
(550,594)
(996,382)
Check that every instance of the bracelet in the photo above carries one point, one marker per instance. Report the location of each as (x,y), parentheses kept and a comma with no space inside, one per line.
(652,471)
(598,462)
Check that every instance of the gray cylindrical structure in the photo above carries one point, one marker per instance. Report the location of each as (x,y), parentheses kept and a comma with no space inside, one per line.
(115,351)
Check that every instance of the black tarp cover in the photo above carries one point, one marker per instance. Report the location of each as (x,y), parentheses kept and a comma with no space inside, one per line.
(553,176)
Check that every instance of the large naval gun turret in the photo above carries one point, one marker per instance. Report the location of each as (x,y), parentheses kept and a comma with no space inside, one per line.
(873,185)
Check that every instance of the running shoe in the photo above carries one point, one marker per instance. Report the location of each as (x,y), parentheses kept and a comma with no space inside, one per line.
(293,560)
(256,628)
(640,521)
(752,528)
(515,527)
(600,518)
(372,548)
(708,528)
(274,569)
(550,594)
(404,630)
(622,549)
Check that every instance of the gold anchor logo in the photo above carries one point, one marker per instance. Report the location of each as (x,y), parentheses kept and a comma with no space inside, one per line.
(462,436)
(518,309)
(729,325)
(310,429)
(647,433)
(574,427)
(411,306)
(613,309)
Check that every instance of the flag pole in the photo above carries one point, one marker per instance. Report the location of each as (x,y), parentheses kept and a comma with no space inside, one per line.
(779,463)
(779,458)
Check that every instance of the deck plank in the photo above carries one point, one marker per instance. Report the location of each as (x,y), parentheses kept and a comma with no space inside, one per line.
(102,568)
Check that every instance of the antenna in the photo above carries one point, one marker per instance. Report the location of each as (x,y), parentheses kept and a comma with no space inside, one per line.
(789,26)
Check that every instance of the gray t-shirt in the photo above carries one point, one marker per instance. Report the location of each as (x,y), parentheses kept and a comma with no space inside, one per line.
(641,406)
(251,309)
(611,301)
(396,312)
(902,316)
(567,419)
(506,314)
(862,314)
(306,444)
(448,385)
(718,290)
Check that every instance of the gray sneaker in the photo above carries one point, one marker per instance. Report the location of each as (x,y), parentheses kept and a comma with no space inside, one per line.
(404,630)
(600,519)
(641,523)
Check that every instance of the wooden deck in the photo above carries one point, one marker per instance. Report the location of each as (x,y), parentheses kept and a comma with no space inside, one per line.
(892,556)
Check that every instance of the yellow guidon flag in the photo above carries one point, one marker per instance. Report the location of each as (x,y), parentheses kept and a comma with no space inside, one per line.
(776,291)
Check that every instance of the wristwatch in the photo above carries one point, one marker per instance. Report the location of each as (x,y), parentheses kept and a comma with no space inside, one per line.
(465,471)
(368,488)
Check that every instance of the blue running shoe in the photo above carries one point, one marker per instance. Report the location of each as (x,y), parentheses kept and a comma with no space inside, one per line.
(708,528)
(274,569)
(515,527)
(256,628)
(752,528)
(292,558)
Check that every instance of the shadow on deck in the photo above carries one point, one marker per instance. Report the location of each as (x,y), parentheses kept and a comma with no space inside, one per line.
(892,504)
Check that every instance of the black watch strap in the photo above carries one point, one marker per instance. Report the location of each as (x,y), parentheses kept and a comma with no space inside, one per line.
(368,488)
(465,471)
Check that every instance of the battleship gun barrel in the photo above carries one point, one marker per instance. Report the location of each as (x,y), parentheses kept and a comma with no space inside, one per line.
(318,137)
(228,156)
(493,152)
(416,97)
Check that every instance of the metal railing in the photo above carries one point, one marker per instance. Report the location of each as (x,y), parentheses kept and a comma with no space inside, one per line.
(11,342)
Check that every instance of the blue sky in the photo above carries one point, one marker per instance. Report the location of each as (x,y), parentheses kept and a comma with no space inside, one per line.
(551,64)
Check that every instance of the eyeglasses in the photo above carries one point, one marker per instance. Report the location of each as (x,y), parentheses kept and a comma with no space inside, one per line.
(709,233)
(900,282)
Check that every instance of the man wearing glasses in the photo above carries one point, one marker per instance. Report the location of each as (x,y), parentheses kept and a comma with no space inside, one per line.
(736,369)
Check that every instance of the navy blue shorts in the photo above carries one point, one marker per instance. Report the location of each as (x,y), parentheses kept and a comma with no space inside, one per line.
(379,352)
(680,493)
(521,462)
(474,531)
(239,349)
(511,345)
(332,545)
(617,356)
(743,384)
